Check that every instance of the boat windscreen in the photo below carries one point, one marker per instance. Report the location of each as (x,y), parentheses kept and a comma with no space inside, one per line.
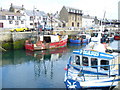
(47,39)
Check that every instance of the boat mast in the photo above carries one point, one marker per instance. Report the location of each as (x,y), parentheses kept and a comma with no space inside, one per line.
(101,24)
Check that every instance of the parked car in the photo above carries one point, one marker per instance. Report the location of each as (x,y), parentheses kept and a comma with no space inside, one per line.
(19,29)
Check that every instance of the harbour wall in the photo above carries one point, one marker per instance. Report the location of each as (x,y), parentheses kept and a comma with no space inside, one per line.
(16,40)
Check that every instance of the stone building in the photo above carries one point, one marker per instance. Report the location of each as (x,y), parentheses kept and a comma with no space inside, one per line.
(71,17)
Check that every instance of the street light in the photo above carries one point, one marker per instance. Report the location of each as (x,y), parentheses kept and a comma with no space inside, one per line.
(34,17)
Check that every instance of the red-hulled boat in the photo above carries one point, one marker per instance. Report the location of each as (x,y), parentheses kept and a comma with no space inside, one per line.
(41,42)
(117,36)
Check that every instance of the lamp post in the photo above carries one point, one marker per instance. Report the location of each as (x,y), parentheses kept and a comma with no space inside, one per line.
(51,21)
(34,17)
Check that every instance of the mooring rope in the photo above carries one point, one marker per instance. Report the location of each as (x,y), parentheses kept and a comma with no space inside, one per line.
(2,49)
(112,83)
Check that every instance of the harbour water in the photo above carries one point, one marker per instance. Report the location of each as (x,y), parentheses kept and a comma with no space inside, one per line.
(40,69)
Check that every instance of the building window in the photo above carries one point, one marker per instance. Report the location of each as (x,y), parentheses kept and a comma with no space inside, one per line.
(78,24)
(18,17)
(72,24)
(39,18)
(8,17)
(22,22)
(12,17)
(3,17)
(10,22)
(16,23)
(31,23)
(64,24)
(31,18)
(72,18)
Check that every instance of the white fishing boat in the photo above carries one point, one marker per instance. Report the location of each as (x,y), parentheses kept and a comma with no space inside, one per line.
(101,37)
(92,68)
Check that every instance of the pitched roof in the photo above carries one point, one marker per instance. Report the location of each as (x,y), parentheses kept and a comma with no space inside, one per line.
(35,13)
(10,13)
(17,7)
(88,17)
(73,10)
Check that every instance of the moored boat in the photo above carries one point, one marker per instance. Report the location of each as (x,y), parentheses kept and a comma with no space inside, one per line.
(92,69)
(102,37)
(80,38)
(41,42)
(117,36)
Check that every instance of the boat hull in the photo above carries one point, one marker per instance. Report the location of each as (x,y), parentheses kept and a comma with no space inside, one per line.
(104,84)
(79,41)
(116,37)
(42,46)
(77,85)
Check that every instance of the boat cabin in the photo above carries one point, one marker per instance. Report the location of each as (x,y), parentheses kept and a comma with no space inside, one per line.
(44,39)
(93,59)
(49,38)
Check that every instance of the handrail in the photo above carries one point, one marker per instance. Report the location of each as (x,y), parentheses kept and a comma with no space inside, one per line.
(96,65)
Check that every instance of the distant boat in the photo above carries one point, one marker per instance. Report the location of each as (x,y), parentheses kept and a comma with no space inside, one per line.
(80,38)
(92,69)
(117,36)
(41,42)
(102,37)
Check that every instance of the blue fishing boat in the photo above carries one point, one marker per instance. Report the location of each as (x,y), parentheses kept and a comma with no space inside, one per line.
(89,68)
(80,38)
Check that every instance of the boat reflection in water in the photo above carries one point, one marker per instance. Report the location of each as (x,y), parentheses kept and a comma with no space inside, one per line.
(44,59)
(38,69)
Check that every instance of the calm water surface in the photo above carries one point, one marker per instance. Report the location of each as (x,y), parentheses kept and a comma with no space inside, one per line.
(40,69)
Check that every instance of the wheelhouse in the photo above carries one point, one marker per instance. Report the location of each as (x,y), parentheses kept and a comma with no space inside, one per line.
(94,60)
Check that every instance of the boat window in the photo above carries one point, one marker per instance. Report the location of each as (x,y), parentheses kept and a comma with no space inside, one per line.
(104,62)
(85,61)
(83,36)
(77,60)
(94,62)
(94,34)
(47,39)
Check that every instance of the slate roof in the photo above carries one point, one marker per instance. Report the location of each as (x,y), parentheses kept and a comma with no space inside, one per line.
(17,7)
(73,10)
(10,13)
(35,13)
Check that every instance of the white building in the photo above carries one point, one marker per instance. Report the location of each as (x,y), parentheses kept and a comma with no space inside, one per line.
(119,11)
(34,18)
(11,20)
(88,21)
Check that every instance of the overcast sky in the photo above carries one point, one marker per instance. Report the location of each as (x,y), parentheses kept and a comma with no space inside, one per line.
(91,7)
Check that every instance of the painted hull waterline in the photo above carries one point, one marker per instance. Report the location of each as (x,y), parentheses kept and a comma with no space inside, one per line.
(78,41)
(42,46)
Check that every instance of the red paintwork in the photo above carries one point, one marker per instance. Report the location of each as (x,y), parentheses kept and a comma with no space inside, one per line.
(44,52)
(117,37)
(59,44)
(29,46)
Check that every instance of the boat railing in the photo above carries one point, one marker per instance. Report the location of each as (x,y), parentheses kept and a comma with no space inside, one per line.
(102,72)
(95,74)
